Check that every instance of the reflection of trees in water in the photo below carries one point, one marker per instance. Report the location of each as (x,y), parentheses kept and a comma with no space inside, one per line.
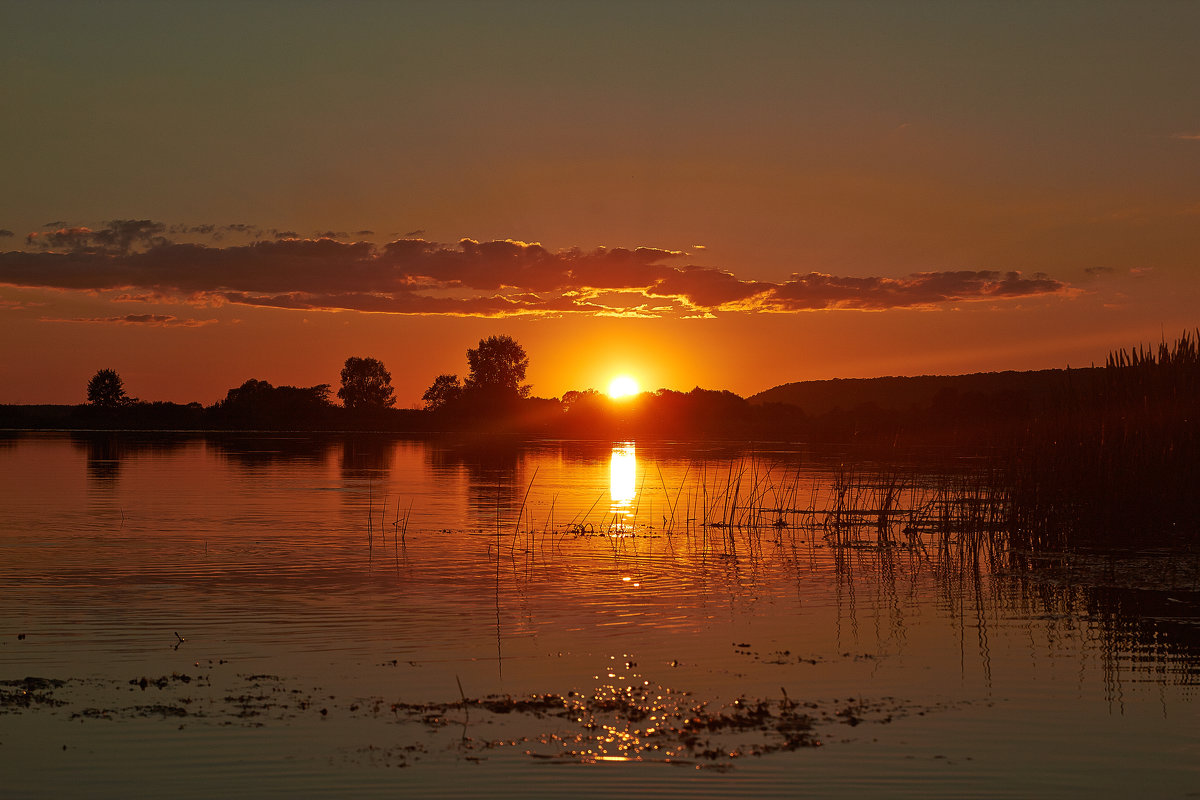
(494,469)
(259,450)
(587,452)
(365,463)
(104,454)
(366,457)
(105,451)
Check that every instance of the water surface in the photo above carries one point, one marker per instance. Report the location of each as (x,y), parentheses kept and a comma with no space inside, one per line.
(310,614)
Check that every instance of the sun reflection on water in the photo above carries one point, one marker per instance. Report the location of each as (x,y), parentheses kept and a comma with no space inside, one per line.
(629,718)
(623,482)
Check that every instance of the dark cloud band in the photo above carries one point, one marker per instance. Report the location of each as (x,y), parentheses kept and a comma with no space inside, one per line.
(489,279)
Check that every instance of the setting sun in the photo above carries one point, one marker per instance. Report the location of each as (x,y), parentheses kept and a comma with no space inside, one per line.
(623,386)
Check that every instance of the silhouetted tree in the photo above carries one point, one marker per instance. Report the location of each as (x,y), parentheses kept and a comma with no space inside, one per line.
(574,397)
(586,412)
(259,404)
(366,384)
(445,390)
(252,392)
(107,390)
(497,368)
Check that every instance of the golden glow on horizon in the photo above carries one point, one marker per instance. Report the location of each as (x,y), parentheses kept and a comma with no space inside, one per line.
(623,386)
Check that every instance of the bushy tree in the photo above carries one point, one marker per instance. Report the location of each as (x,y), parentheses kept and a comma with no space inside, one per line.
(107,390)
(445,390)
(259,404)
(251,393)
(497,368)
(256,393)
(575,398)
(366,384)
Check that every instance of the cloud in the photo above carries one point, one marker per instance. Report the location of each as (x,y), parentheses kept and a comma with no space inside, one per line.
(704,287)
(149,320)
(117,236)
(815,290)
(144,319)
(414,303)
(204,230)
(494,278)
(1187,137)
(12,305)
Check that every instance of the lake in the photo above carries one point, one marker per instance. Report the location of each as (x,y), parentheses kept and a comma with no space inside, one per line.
(241,615)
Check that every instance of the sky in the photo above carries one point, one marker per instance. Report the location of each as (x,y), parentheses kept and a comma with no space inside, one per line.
(724,195)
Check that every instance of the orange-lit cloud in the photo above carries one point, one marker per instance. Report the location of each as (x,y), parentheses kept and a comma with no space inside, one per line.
(499,278)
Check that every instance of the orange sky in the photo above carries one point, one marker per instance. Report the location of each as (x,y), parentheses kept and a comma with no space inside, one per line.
(730,196)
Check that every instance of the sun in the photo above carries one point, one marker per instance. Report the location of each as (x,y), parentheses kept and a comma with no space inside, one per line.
(623,386)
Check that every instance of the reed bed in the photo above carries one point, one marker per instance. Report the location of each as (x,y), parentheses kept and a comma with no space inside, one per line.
(737,511)
(879,531)
(1117,461)
(870,529)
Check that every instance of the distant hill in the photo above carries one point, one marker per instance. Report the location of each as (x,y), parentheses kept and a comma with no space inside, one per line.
(905,393)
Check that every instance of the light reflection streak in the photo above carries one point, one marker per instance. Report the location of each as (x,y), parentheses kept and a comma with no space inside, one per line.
(623,481)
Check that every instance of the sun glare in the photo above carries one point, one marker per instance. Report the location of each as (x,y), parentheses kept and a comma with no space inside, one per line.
(623,477)
(623,386)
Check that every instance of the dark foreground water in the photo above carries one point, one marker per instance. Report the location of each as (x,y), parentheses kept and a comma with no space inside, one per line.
(287,616)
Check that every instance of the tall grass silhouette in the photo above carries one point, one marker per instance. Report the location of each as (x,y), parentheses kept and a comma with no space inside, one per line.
(1117,462)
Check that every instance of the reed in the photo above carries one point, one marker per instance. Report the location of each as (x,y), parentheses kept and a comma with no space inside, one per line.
(872,528)
(1117,462)
(521,511)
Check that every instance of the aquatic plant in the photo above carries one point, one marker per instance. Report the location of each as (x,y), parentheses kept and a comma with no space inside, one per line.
(1118,461)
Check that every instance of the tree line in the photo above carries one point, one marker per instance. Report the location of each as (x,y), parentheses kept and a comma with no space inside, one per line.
(494,384)
(493,396)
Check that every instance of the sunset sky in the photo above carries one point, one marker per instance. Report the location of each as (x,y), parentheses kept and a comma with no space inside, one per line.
(729,195)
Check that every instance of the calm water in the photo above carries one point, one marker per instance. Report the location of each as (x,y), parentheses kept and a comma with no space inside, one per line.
(310,613)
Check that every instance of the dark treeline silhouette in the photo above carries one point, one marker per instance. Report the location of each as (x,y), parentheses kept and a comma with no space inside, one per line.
(900,394)
(948,417)
(258,404)
(984,409)
(1103,456)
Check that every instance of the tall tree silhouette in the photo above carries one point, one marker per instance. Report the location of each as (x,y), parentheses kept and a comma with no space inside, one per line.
(366,384)
(497,368)
(445,390)
(107,390)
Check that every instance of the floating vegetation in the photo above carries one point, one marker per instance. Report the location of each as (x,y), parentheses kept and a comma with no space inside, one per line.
(629,719)
(29,692)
